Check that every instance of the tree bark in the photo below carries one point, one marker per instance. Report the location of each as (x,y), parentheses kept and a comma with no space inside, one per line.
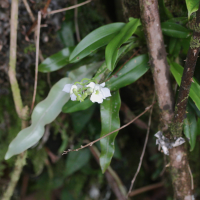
(178,156)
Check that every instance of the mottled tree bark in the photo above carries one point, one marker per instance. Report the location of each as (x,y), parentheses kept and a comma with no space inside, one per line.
(160,70)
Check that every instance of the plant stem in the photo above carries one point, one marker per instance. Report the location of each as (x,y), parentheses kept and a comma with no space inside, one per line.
(20,162)
(180,109)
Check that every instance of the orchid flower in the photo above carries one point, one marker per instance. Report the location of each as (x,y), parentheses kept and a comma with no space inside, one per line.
(99,92)
(72,89)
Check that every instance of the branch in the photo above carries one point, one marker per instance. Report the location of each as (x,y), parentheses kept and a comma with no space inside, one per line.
(158,60)
(160,69)
(68,8)
(91,143)
(186,81)
(37,59)
(22,112)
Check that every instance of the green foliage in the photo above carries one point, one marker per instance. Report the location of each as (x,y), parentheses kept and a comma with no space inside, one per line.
(113,46)
(177,71)
(131,71)
(56,61)
(46,111)
(76,160)
(74,106)
(65,34)
(110,122)
(95,40)
(190,127)
(81,118)
(175,30)
(192,6)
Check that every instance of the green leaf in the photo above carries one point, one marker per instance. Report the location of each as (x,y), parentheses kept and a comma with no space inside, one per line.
(198,126)
(110,121)
(74,106)
(76,160)
(178,20)
(130,72)
(164,12)
(56,61)
(113,46)
(190,127)
(66,35)
(81,118)
(174,47)
(175,30)
(177,71)
(192,6)
(46,111)
(95,40)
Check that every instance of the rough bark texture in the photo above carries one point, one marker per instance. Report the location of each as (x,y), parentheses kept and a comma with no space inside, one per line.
(180,109)
(158,61)
(160,69)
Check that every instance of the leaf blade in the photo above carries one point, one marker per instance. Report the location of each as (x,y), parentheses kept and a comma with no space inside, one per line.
(113,46)
(56,61)
(175,30)
(95,40)
(110,121)
(130,72)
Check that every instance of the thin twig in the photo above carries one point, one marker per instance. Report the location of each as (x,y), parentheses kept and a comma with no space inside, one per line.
(143,151)
(37,59)
(20,161)
(91,143)
(145,189)
(44,10)
(29,10)
(68,8)
(191,176)
(76,23)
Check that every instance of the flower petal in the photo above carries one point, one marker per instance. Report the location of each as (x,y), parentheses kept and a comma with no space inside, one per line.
(102,84)
(73,97)
(91,85)
(96,98)
(67,88)
(106,92)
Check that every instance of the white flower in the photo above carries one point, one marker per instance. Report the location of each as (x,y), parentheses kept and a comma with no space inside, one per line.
(69,89)
(98,92)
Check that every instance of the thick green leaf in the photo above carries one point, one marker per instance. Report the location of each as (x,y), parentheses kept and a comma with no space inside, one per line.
(110,121)
(66,35)
(130,72)
(103,72)
(174,47)
(190,127)
(81,118)
(164,12)
(198,126)
(74,106)
(112,48)
(95,40)
(192,6)
(177,71)
(56,61)
(46,111)
(76,160)
(178,20)
(175,30)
